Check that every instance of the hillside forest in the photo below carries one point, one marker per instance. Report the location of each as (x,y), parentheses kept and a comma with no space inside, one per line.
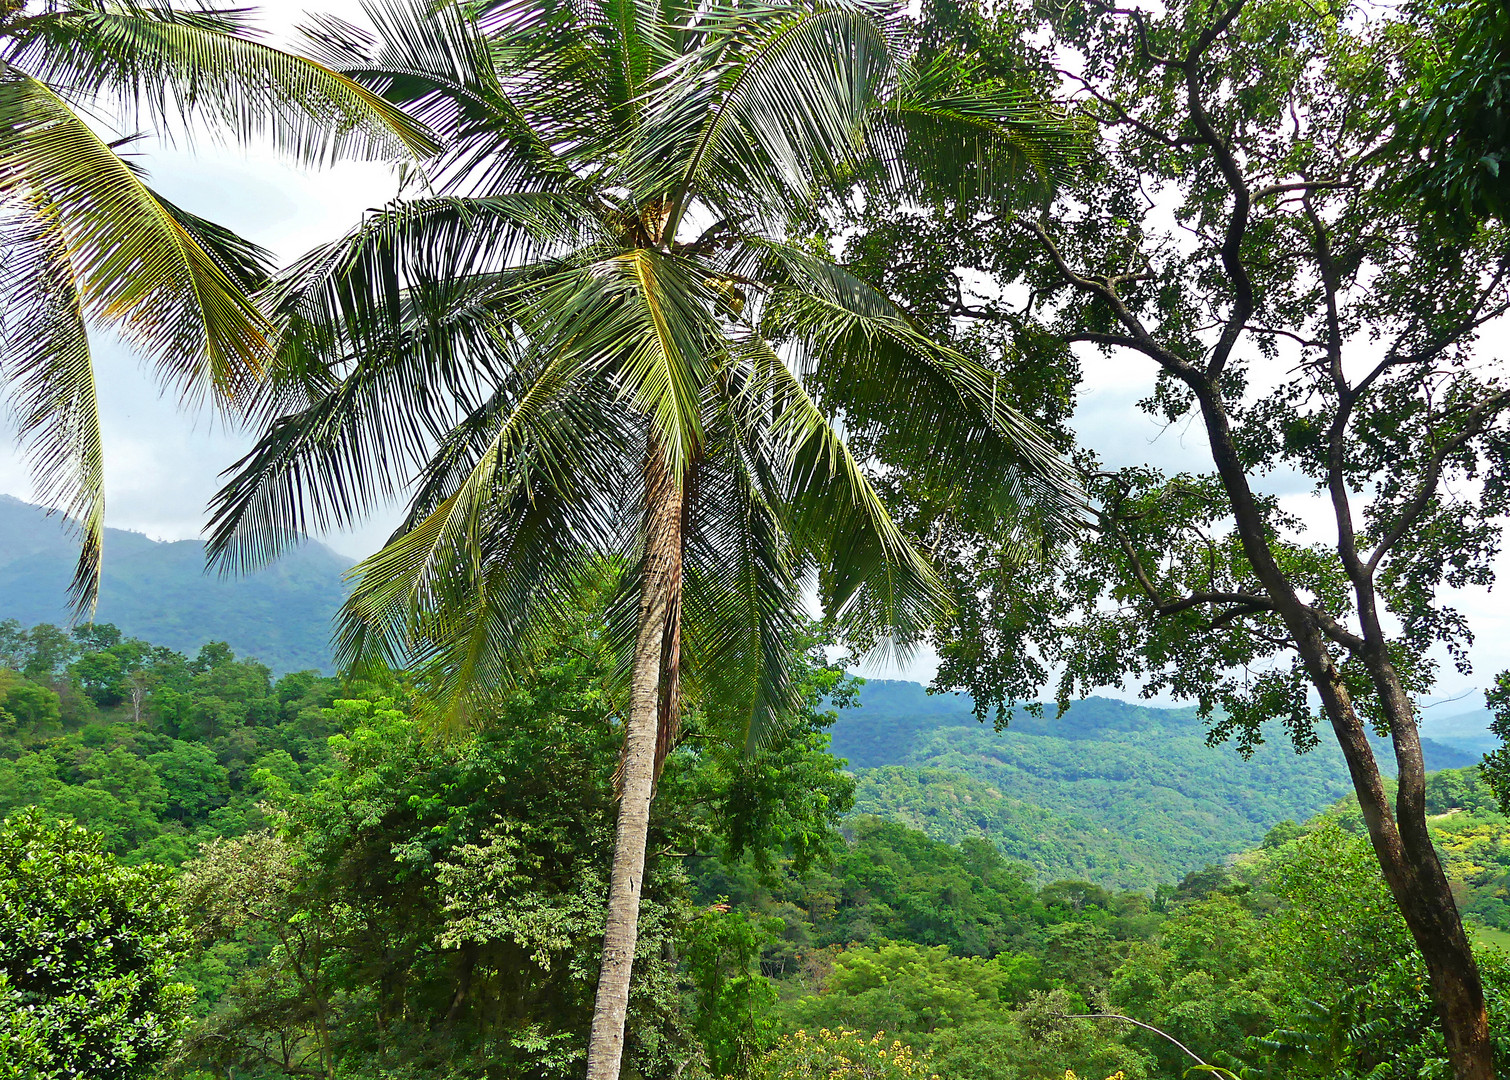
(694,355)
(354,896)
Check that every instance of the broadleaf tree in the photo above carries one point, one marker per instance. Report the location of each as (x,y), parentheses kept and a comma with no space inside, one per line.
(1253,237)
(86,243)
(88,956)
(593,343)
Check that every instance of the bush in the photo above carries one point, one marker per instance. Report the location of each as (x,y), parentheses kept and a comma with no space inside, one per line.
(88,950)
(842,1055)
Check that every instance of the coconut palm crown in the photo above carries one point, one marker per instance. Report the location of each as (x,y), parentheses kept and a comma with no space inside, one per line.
(84,240)
(589,341)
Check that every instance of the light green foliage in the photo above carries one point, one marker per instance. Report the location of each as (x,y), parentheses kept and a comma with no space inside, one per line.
(888,881)
(731,998)
(900,987)
(843,1055)
(1207,979)
(29,710)
(88,952)
(1337,927)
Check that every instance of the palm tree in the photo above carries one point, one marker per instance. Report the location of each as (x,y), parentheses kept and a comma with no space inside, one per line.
(590,343)
(84,240)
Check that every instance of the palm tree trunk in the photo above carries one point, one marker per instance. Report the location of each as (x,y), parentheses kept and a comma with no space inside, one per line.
(662,582)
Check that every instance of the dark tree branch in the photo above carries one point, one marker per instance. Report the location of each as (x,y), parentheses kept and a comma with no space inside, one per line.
(1237,222)
(1303,185)
(1122,116)
(1104,288)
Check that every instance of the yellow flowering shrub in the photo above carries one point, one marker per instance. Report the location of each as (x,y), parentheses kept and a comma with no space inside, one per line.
(843,1055)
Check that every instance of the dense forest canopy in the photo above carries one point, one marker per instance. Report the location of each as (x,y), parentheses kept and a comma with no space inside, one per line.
(684,315)
(354,896)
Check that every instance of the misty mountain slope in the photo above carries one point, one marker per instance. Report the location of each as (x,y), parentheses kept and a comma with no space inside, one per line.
(1467,732)
(161,591)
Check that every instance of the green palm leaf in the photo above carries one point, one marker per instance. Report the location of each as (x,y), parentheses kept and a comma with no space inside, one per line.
(175,66)
(45,359)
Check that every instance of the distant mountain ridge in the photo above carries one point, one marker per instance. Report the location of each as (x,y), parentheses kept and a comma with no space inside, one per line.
(1118,793)
(160,591)
(1113,792)
(1465,731)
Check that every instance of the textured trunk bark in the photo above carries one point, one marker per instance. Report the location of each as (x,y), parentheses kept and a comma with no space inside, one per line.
(663,562)
(1425,896)
(1414,875)
(1400,840)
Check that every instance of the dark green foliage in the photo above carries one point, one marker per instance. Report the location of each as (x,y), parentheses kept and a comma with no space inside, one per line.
(731,999)
(1456,114)
(183,754)
(88,951)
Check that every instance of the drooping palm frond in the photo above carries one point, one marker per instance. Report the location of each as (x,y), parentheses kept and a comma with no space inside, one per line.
(954,423)
(358,290)
(135,264)
(742,602)
(363,421)
(439,64)
(176,66)
(876,586)
(46,364)
(248,265)
(469,592)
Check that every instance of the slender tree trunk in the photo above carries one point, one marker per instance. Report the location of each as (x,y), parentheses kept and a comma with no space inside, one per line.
(1414,874)
(1425,896)
(1401,842)
(663,565)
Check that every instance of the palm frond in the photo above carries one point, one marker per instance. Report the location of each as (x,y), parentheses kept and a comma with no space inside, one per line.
(470,591)
(437,61)
(792,103)
(134,262)
(361,422)
(647,316)
(46,367)
(355,290)
(876,587)
(248,265)
(952,424)
(947,132)
(173,66)
(742,604)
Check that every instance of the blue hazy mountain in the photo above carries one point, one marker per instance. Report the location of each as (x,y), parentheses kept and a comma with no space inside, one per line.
(161,591)
(1467,731)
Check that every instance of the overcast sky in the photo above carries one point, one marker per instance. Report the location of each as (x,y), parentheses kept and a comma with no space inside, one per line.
(163,463)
